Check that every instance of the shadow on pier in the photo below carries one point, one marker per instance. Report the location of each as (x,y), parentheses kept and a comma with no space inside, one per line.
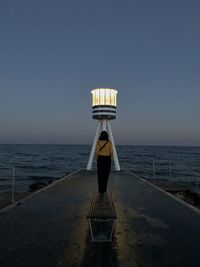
(50,229)
(99,254)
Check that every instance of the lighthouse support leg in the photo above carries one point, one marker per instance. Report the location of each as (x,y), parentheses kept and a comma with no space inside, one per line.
(89,165)
(116,161)
(104,125)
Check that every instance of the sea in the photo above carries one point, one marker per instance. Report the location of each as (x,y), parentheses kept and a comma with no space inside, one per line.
(45,163)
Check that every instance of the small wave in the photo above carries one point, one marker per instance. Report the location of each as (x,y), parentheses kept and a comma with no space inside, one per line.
(41,177)
(32,167)
(83,154)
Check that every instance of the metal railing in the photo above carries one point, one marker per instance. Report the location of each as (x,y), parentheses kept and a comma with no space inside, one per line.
(170,164)
(154,168)
(12,181)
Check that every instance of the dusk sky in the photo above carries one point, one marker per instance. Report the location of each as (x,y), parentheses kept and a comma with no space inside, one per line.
(54,52)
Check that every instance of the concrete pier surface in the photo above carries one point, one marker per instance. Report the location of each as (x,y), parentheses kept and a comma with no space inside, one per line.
(50,228)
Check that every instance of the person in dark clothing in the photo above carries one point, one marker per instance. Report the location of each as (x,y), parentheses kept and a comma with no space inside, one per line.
(104,154)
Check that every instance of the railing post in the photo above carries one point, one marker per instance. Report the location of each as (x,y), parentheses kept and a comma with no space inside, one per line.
(170,171)
(196,184)
(13,185)
(154,174)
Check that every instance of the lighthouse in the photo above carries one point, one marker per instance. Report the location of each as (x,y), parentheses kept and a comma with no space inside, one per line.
(104,104)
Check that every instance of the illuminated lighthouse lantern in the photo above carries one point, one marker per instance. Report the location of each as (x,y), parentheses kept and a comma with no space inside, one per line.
(104,103)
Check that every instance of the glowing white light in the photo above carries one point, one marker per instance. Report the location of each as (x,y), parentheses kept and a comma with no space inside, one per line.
(104,96)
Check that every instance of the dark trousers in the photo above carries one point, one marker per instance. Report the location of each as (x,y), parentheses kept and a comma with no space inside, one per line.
(103,169)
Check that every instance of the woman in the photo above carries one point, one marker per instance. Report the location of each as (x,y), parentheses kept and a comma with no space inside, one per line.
(104,154)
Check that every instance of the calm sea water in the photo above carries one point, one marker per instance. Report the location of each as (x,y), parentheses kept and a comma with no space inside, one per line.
(47,162)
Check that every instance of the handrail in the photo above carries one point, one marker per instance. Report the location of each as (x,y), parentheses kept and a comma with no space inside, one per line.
(195,174)
(154,167)
(13,181)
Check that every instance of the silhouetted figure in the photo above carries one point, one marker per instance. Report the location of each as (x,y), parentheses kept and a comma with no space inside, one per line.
(104,154)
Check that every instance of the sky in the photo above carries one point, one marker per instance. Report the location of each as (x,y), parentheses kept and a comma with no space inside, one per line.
(54,52)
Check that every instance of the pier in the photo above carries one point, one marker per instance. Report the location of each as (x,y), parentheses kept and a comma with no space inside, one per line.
(50,229)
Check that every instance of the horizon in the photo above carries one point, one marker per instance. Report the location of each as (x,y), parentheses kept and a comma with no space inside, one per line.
(34,144)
